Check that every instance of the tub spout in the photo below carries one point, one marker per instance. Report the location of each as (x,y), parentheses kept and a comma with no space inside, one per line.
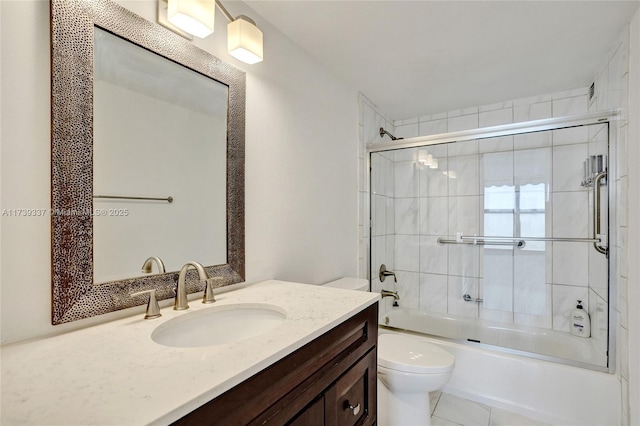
(387,293)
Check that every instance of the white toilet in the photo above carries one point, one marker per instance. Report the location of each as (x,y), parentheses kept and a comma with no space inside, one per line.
(408,369)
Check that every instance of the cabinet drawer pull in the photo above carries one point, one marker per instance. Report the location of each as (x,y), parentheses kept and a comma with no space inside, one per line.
(354,409)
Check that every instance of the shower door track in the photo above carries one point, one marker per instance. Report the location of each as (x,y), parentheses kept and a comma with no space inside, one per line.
(501,130)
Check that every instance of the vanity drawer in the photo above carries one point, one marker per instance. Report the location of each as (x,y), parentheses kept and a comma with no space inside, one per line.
(352,399)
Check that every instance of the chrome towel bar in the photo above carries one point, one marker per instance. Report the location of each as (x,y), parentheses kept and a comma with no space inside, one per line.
(124,197)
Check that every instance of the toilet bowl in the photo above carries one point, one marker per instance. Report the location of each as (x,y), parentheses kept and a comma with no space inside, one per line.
(408,369)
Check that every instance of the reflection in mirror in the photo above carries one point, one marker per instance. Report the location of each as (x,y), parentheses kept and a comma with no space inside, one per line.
(148,145)
(159,131)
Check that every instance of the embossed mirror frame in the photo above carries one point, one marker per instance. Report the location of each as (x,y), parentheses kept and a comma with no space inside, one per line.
(74,295)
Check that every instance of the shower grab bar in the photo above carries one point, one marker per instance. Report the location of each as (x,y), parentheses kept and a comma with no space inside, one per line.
(596,215)
(124,197)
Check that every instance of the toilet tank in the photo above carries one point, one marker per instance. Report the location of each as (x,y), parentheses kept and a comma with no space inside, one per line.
(360,284)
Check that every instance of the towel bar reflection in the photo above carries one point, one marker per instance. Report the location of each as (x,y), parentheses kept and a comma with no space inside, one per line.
(124,197)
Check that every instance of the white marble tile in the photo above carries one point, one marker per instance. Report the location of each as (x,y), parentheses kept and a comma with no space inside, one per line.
(532,140)
(598,265)
(434,182)
(457,287)
(570,214)
(570,263)
(370,128)
(569,106)
(564,301)
(462,411)
(409,130)
(464,215)
(433,293)
(495,117)
(568,168)
(406,215)
(433,256)
(533,111)
(405,154)
(405,121)
(496,106)
(506,418)
(432,127)
(379,254)
(540,319)
(406,179)
(434,214)
(532,100)
(497,285)
(462,148)
(533,166)
(407,253)
(531,293)
(570,135)
(466,172)
(498,144)
(379,215)
(408,287)
(391,215)
(462,122)
(431,117)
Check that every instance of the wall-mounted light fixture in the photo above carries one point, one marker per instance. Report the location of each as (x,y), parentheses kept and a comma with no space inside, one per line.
(196,17)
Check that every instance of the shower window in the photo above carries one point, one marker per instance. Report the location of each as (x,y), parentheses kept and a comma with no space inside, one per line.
(491,241)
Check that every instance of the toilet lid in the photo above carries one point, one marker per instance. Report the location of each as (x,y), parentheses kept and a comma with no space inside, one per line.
(412,355)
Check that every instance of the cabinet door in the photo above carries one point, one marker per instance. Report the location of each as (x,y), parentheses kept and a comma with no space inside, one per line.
(352,399)
(312,415)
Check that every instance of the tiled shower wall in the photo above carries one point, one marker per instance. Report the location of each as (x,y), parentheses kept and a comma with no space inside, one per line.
(611,92)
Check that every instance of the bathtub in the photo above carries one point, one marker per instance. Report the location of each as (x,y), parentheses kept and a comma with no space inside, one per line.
(551,392)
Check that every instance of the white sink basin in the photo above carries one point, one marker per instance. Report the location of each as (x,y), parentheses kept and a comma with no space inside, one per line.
(219,325)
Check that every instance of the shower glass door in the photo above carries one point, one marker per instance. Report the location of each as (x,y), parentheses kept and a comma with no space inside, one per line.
(492,240)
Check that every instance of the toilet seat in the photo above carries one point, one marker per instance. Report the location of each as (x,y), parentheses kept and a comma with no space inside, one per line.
(412,355)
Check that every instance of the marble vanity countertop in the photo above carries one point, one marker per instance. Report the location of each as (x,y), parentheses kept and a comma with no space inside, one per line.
(115,374)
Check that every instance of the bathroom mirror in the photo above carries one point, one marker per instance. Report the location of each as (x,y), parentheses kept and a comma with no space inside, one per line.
(139,112)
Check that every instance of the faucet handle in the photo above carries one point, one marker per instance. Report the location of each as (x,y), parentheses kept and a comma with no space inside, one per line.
(153,309)
(208,290)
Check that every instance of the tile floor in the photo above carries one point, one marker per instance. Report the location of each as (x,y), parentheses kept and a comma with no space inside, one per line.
(449,410)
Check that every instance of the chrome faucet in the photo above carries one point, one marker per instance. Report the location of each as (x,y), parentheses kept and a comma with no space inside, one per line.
(181,301)
(147,265)
(386,293)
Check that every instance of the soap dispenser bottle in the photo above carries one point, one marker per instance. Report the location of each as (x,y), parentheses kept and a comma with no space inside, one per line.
(580,322)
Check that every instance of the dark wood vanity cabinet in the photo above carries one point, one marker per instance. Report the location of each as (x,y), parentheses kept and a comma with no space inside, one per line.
(330,381)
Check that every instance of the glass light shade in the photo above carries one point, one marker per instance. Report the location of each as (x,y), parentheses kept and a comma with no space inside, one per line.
(244,41)
(195,17)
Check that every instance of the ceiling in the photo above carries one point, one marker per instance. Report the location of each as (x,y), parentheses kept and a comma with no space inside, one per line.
(414,58)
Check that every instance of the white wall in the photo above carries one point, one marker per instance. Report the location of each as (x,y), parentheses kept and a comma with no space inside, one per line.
(301,174)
